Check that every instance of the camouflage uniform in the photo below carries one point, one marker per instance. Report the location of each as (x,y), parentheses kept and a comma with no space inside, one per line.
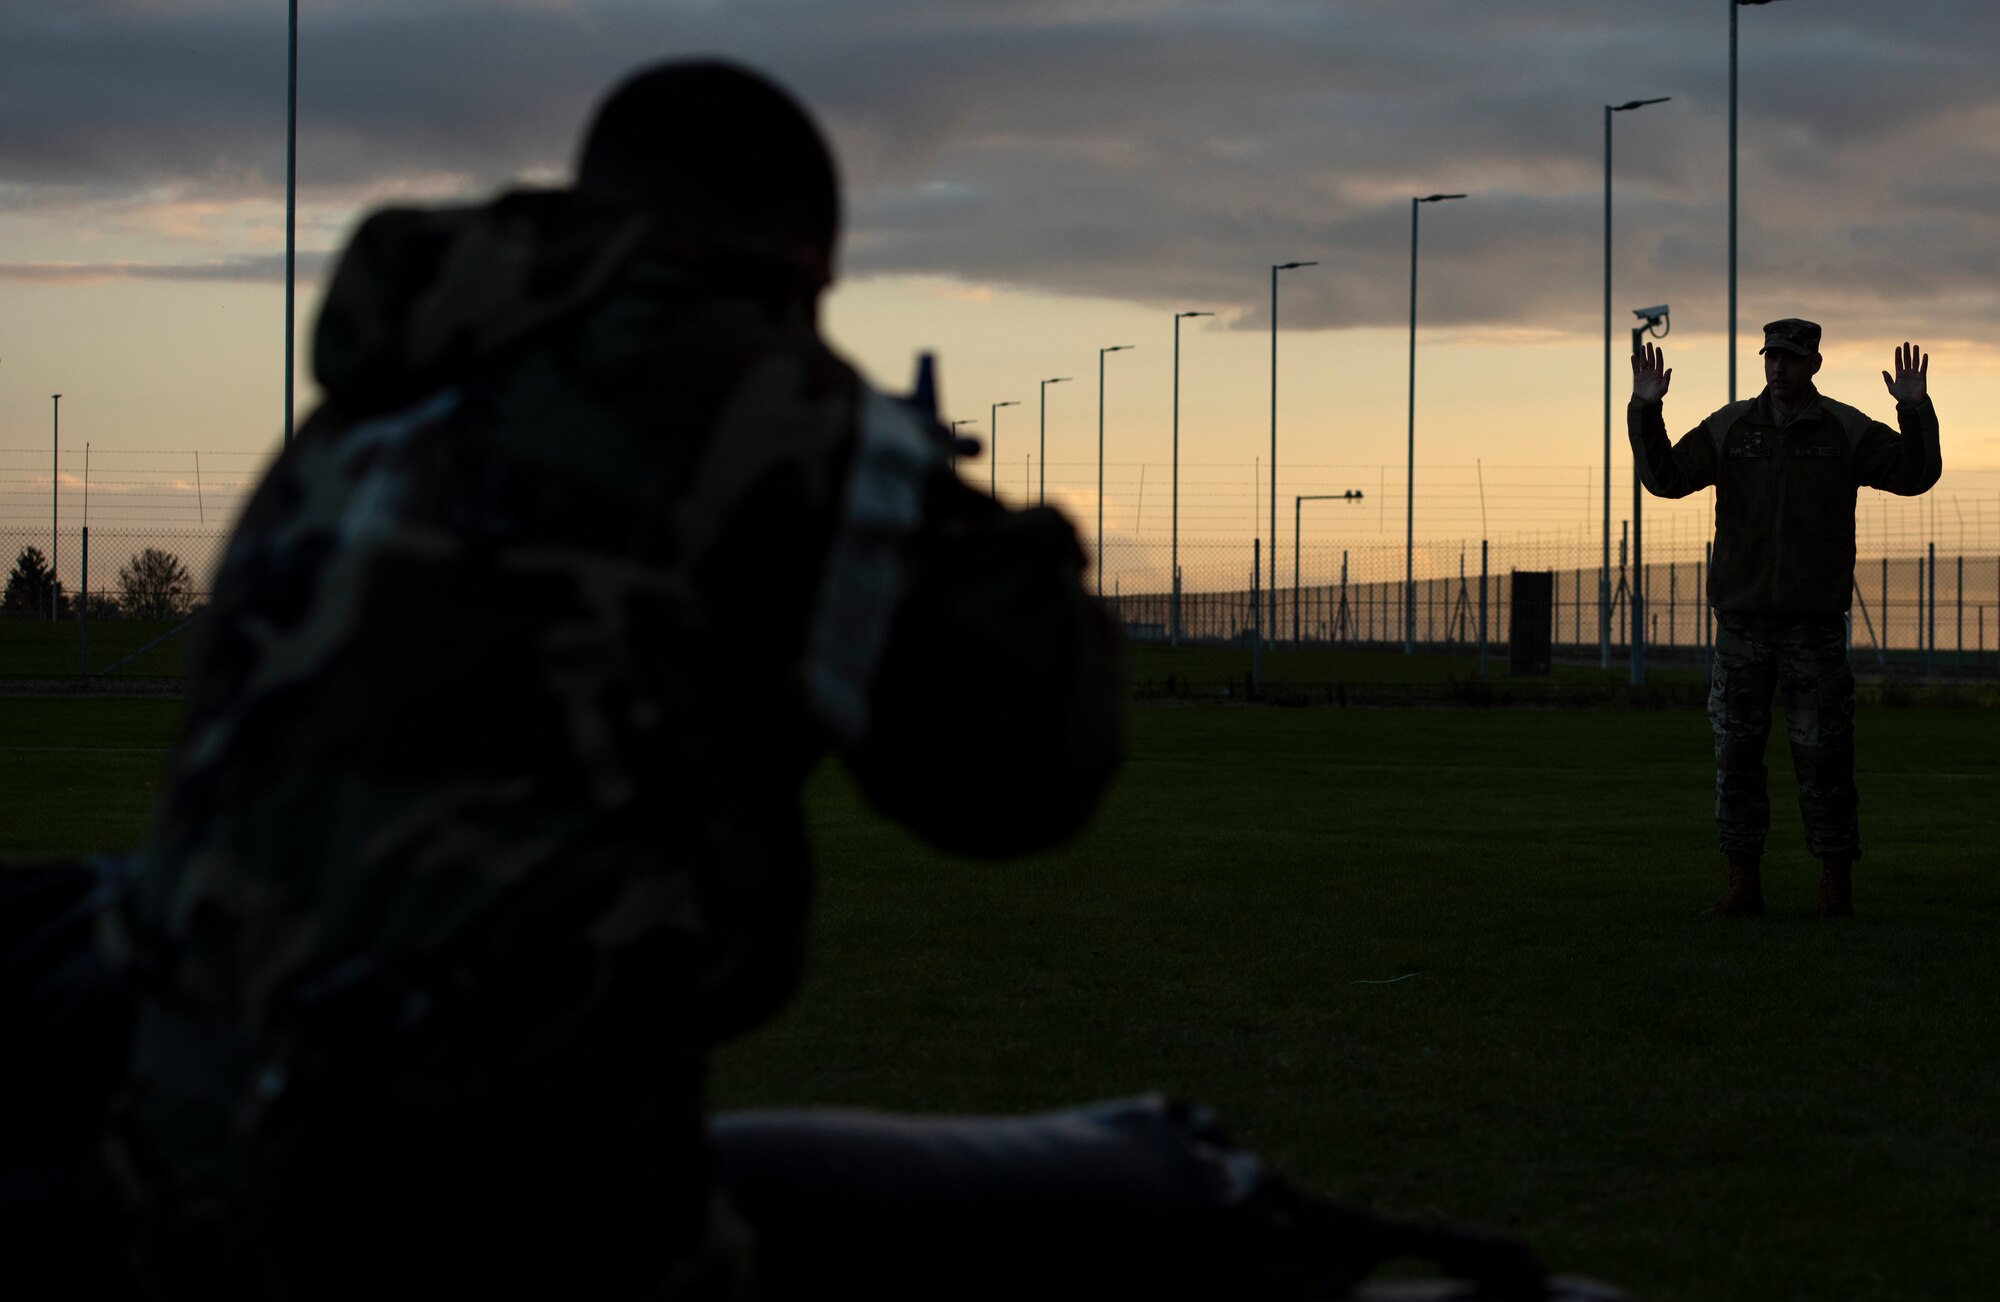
(485,825)
(1804,663)
(1781,583)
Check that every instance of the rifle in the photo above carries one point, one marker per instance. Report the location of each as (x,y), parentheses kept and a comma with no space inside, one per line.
(923,400)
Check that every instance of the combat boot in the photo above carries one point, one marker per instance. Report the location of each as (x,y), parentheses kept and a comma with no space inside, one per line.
(1836,887)
(1746,891)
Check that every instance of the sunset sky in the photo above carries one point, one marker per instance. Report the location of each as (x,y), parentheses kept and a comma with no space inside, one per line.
(1029,182)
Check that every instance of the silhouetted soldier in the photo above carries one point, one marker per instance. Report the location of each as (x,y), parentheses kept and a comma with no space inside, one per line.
(485,825)
(1786,466)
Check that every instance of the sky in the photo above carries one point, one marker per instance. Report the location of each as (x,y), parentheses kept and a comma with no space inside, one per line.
(1030,182)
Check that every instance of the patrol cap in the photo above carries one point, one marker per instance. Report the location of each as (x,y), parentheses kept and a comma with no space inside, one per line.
(1792,335)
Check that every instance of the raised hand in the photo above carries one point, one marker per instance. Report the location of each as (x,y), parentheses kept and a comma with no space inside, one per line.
(1650,375)
(1910,384)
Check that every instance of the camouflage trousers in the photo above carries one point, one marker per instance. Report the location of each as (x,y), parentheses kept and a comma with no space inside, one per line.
(1803,662)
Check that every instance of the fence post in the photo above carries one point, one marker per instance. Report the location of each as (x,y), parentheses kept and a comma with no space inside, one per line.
(1642,610)
(1920,608)
(1625,607)
(1700,623)
(1482,610)
(1958,656)
(1930,608)
(1881,661)
(83,611)
(1885,600)
(1345,620)
(1673,581)
(1256,618)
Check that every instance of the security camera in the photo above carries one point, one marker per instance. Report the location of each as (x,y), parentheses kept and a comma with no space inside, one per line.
(1655,323)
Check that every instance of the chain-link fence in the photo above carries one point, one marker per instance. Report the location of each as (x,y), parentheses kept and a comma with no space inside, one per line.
(101,602)
(1930,613)
(117,601)
(121,597)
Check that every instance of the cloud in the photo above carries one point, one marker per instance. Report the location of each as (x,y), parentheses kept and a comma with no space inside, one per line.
(263,267)
(1164,151)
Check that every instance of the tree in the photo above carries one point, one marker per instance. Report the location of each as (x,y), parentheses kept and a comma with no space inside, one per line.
(104,604)
(29,583)
(155,585)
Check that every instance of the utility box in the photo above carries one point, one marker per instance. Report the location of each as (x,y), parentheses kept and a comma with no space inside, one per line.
(1531,621)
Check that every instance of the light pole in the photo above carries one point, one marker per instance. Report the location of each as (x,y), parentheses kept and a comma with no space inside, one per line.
(993,452)
(1410,471)
(1174,549)
(1654,320)
(1271,555)
(1115,348)
(55,484)
(1604,570)
(1042,453)
(1351,495)
(1733,5)
(291,197)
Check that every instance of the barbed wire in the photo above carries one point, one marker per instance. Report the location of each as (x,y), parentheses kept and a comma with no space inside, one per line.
(1217,499)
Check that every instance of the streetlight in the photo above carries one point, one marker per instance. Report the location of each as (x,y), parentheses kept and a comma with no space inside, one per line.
(55,484)
(1271,556)
(993,452)
(1042,455)
(1654,321)
(1115,348)
(291,198)
(1733,4)
(1604,570)
(1351,495)
(1410,472)
(1174,554)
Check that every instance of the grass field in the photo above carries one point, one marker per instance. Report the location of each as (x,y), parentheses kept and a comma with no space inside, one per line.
(148,648)
(1434,961)
(55,652)
(1675,678)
